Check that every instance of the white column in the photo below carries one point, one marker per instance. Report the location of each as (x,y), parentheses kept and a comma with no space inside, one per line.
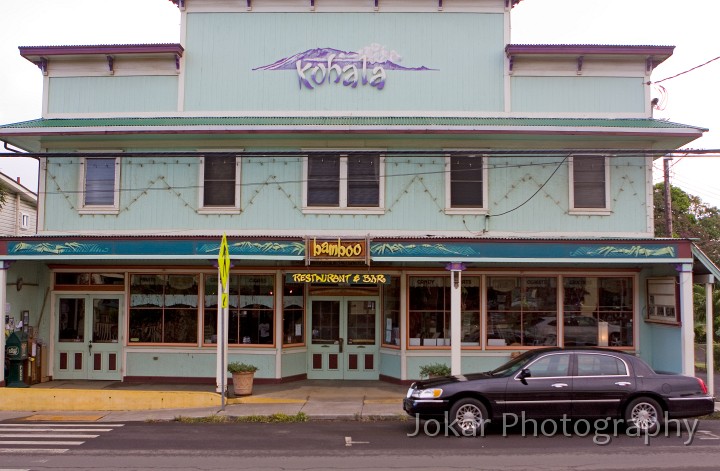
(455,310)
(3,300)
(403,326)
(709,341)
(218,342)
(279,289)
(687,343)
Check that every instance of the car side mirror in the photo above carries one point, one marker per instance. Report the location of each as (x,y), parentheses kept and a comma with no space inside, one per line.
(524,373)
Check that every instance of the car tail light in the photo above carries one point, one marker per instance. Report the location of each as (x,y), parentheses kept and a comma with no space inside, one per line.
(703,386)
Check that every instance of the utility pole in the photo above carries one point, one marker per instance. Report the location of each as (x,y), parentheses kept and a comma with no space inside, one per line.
(668,206)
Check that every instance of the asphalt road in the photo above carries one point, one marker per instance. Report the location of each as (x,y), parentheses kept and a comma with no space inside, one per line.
(349,445)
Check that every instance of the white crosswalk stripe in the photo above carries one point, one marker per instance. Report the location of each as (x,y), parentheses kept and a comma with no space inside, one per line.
(48,438)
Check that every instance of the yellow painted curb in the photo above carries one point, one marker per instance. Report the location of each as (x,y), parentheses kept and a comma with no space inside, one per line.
(264,400)
(63,418)
(27,399)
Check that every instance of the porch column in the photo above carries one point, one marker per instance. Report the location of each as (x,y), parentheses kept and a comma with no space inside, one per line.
(3,300)
(687,343)
(403,326)
(708,280)
(455,315)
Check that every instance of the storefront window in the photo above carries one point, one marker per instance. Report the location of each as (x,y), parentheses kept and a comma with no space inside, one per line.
(163,308)
(391,312)
(251,308)
(293,314)
(522,311)
(76,280)
(598,311)
(429,314)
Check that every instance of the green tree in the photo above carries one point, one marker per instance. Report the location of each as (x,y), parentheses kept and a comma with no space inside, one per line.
(692,219)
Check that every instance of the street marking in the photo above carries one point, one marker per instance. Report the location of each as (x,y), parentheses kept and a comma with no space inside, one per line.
(349,442)
(707,435)
(64,418)
(39,442)
(2,429)
(44,435)
(44,451)
(63,425)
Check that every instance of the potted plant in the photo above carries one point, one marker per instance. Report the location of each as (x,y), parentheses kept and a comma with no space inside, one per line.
(434,370)
(242,375)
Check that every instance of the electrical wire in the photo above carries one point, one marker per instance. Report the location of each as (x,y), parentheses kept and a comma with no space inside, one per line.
(685,72)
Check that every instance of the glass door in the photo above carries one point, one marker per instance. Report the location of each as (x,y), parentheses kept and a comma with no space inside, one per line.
(88,337)
(344,342)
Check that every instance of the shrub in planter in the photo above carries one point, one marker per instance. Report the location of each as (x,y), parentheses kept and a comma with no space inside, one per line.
(434,370)
(242,375)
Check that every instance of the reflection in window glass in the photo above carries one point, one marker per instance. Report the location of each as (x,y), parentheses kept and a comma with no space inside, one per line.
(251,306)
(598,311)
(522,311)
(600,365)
(550,366)
(429,314)
(391,312)
(293,313)
(163,308)
(71,320)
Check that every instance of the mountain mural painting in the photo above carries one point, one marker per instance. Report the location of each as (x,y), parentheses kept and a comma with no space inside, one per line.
(318,66)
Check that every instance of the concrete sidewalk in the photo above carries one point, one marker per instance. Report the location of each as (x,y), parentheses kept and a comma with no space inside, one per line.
(117,401)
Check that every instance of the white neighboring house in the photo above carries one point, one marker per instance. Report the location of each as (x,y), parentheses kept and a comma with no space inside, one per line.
(18,215)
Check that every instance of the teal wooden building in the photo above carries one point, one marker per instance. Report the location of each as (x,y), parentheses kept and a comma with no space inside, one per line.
(399,184)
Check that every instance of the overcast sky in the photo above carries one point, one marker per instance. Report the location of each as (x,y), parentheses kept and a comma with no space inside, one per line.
(691,26)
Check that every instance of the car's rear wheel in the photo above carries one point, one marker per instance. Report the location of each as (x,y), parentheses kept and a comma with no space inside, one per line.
(468,416)
(645,414)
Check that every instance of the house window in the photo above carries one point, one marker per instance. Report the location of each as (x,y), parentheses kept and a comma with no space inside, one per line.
(100,179)
(24,221)
(163,309)
(465,183)
(590,180)
(251,306)
(342,183)
(220,176)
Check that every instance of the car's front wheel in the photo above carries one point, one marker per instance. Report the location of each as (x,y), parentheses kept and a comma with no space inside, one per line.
(468,416)
(645,414)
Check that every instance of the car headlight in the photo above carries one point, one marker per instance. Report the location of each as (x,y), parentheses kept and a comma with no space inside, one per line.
(426,393)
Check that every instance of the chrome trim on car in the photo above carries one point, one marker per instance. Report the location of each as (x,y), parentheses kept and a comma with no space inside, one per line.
(697,398)
(534,402)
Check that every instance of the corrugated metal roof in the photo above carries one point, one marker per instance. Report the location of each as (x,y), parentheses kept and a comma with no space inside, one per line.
(397,121)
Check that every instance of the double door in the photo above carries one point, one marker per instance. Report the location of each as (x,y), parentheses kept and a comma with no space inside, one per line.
(88,337)
(345,338)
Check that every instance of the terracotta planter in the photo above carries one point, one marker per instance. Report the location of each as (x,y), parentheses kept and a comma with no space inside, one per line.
(243,383)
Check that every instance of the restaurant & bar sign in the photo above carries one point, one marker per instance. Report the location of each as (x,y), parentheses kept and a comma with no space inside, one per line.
(338,278)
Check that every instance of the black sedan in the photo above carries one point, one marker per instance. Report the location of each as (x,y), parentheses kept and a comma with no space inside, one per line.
(557,383)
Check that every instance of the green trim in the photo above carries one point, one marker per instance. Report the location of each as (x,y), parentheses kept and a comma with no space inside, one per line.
(347,121)
(705,261)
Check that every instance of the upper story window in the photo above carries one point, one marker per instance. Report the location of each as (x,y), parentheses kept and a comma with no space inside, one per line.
(220,175)
(100,179)
(589,183)
(465,183)
(342,183)
(24,221)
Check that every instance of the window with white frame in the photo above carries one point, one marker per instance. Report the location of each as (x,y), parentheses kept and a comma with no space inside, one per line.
(100,180)
(589,176)
(220,175)
(24,221)
(466,178)
(343,182)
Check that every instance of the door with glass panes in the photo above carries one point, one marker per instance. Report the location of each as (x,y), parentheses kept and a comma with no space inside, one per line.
(88,337)
(344,338)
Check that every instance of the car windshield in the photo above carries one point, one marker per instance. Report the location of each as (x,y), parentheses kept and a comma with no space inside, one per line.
(513,365)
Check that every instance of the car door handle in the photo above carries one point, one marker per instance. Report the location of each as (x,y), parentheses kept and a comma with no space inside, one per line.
(559,385)
(623,383)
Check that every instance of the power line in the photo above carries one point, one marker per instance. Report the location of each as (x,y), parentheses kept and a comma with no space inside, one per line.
(685,72)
